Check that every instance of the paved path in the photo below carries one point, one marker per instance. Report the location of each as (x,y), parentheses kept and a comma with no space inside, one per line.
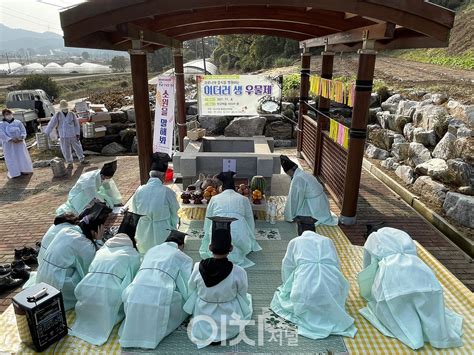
(27,210)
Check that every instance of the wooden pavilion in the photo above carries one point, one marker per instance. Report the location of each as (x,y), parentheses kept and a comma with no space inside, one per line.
(362,26)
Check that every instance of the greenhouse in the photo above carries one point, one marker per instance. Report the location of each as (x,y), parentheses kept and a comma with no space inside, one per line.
(54,68)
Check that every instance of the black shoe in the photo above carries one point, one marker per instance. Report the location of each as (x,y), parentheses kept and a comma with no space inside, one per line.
(20,270)
(5,269)
(30,260)
(7,283)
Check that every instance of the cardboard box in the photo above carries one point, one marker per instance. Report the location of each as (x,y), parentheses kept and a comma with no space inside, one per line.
(101,118)
(99,131)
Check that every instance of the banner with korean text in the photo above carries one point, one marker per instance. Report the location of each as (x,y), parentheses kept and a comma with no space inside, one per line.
(238,95)
(164,115)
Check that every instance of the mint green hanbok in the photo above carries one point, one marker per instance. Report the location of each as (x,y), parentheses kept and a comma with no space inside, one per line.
(404,298)
(314,290)
(99,295)
(159,207)
(90,186)
(48,237)
(307,198)
(154,301)
(232,204)
(66,262)
(227,301)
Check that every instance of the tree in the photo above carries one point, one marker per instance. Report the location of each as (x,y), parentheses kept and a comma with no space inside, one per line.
(40,81)
(85,55)
(118,63)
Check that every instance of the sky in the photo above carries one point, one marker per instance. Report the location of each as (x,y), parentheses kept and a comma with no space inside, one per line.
(34,15)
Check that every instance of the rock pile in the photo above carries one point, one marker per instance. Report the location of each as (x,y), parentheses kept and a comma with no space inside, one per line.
(429,144)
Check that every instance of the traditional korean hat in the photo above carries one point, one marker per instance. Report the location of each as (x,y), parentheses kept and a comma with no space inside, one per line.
(227,179)
(305,223)
(129,225)
(109,169)
(286,163)
(160,162)
(95,210)
(176,237)
(221,239)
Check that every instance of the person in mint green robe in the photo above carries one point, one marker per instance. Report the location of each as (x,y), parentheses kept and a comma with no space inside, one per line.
(218,293)
(154,301)
(230,203)
(99,304)
(404,298)
(157,204)
(306,196)
(69,255)
(96,184)
(60,222)
(314,290)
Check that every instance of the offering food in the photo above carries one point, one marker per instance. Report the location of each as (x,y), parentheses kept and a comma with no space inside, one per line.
(257,197)
(258,183)
(243,190)
(209,192)
(197,197)
(186,197)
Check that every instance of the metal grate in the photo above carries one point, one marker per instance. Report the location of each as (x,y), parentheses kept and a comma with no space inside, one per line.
(333,167)
(309,140)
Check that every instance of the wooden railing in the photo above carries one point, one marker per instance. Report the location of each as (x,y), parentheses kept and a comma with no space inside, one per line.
(309,140)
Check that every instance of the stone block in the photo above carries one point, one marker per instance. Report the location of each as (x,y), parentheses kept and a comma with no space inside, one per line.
(460,208)
(430,190)
(406,174)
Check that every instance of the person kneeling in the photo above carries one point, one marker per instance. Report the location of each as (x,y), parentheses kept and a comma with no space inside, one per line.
(219,294)
(404,298)
(154,301)
(314,290)
(99,295)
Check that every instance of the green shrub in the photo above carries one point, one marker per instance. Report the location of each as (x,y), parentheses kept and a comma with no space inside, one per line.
(283,62)
(123,84)
(40,81)
(290,82)
(224,61)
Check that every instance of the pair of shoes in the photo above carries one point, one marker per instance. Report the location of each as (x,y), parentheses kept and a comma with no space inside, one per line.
(85,162)
(7,282)
(20,270)
(27,254)
(5,269)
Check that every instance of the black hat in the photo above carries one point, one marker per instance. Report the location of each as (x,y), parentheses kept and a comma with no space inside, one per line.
(176,236)
(221,239)
(227,179)
(109,169)
(159,162)
(96,210)
(129,224)
(305,223)
(286,163)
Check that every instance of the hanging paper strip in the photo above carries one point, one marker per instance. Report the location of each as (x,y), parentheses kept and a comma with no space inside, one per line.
(340,133)
(333,130)
(346,138)
(332,89)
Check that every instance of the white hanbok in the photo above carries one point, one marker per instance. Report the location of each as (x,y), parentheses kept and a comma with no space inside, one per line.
(314,290)
(90,186)
(17,158)
(222,302)
(66,262)
(404,298)
(232,204)
(154,301)
(307,198)
(99,304)
(49,236)
(159,207)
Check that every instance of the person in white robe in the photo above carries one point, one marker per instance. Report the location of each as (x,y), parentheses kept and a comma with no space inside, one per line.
(69,255)
(157,204)
(99,304)
(154,301)
(230,203)
(314,290)
(96,184)
(12,139)
(60,222)
(404,298)
(67,125)
(306,196)
(218,294)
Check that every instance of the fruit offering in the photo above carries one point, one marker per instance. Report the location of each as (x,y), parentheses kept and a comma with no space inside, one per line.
(186,197)
(259,183)
(209,192)
(243,190)
(197,197)
(257,197)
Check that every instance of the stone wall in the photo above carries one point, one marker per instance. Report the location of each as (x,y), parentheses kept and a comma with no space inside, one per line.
(429,144)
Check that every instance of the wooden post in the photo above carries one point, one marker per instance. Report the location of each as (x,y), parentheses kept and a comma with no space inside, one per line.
(142,111)
(357,135)
(304,93)
(180,96)
(323,105)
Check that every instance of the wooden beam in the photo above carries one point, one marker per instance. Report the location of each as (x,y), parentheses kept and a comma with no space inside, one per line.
(373,32)
(103,40)
(131,31)
(304,93)
(257,31)
(180,96)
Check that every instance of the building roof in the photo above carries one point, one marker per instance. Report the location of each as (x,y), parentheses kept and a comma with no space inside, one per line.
(113,24)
